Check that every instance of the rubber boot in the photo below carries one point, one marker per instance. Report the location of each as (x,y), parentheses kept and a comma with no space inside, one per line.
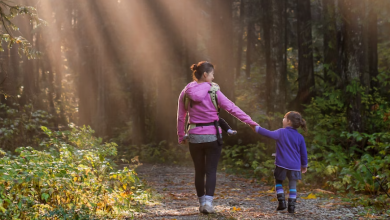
(282,201)
(291,205)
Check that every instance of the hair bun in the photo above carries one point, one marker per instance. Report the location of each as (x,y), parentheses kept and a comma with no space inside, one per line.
(194,67)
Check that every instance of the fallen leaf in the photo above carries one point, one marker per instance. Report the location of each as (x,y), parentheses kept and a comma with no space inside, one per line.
(323,191)
(236,209)
(310,196)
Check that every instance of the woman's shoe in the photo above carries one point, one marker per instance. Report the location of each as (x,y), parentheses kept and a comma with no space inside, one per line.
(201,208)
(202,201)
(208,205)
(291,205)
(282,202)
(208,209)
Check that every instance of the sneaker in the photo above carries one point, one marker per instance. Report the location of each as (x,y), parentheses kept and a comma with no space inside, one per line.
(202,201)
(208,209)
(201,208)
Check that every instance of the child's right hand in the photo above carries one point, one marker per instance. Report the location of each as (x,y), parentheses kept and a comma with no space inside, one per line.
(253,128)
(303,169)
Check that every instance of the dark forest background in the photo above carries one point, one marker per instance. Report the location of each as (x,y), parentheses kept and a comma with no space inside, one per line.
(119,66)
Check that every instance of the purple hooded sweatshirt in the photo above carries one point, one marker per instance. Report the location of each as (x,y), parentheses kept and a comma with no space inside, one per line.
(203,110)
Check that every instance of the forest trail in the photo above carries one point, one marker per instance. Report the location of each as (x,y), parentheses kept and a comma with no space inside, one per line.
(235,198)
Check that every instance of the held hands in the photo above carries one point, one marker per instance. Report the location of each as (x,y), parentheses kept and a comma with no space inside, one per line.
(253,127)
(304,169)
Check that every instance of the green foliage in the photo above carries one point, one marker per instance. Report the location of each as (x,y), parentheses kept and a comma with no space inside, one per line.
(73,178)
(158,153)
(252,157)
(21,126)
(7,13)
(336,156)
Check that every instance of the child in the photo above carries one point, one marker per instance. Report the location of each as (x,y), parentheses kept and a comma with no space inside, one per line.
(291,156)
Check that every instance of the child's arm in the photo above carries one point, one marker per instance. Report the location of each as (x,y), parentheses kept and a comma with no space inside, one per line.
(271,134)
(303,152)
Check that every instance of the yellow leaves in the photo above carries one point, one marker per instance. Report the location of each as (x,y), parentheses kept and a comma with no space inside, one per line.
(274,200)
(310,196)
(1,206)
(75,179)
(126,193)
(124,186)
(234,209)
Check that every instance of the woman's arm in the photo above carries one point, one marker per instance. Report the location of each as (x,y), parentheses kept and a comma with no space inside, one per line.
(230,107)
(271,134)
(181,117)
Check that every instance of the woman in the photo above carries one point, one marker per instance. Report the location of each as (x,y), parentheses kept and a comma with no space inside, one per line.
(205,146)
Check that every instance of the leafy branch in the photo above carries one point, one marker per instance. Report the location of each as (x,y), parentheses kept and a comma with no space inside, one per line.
(7,13)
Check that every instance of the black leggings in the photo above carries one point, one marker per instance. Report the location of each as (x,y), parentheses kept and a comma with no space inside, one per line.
(205,157)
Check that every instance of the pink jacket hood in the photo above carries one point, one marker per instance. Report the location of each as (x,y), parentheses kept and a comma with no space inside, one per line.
(202,109)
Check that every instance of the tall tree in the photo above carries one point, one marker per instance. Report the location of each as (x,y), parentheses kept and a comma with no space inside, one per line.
(372,46)
(221,47)
(330,39)
(240,37)
(279,53)
(270,69)
(353,59)
(305,54)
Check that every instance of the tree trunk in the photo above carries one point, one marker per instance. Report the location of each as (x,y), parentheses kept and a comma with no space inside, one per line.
(373,47)
(250,38)
(5,78)
(270,69)
(330,40)
(239,38)
(139,130)
(354,60)
(27,70)
(51,91)
(190,39)
(283,80)
(278,54)
(58,64)
(86,80)
(221,49)
(305,54)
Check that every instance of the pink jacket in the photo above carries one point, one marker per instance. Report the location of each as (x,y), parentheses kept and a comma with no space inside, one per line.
(203,110)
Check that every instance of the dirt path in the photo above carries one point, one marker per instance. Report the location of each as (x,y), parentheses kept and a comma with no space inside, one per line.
(235,198)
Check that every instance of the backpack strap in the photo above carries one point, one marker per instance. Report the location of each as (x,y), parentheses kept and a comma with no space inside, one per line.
(213,95)
(187,102)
